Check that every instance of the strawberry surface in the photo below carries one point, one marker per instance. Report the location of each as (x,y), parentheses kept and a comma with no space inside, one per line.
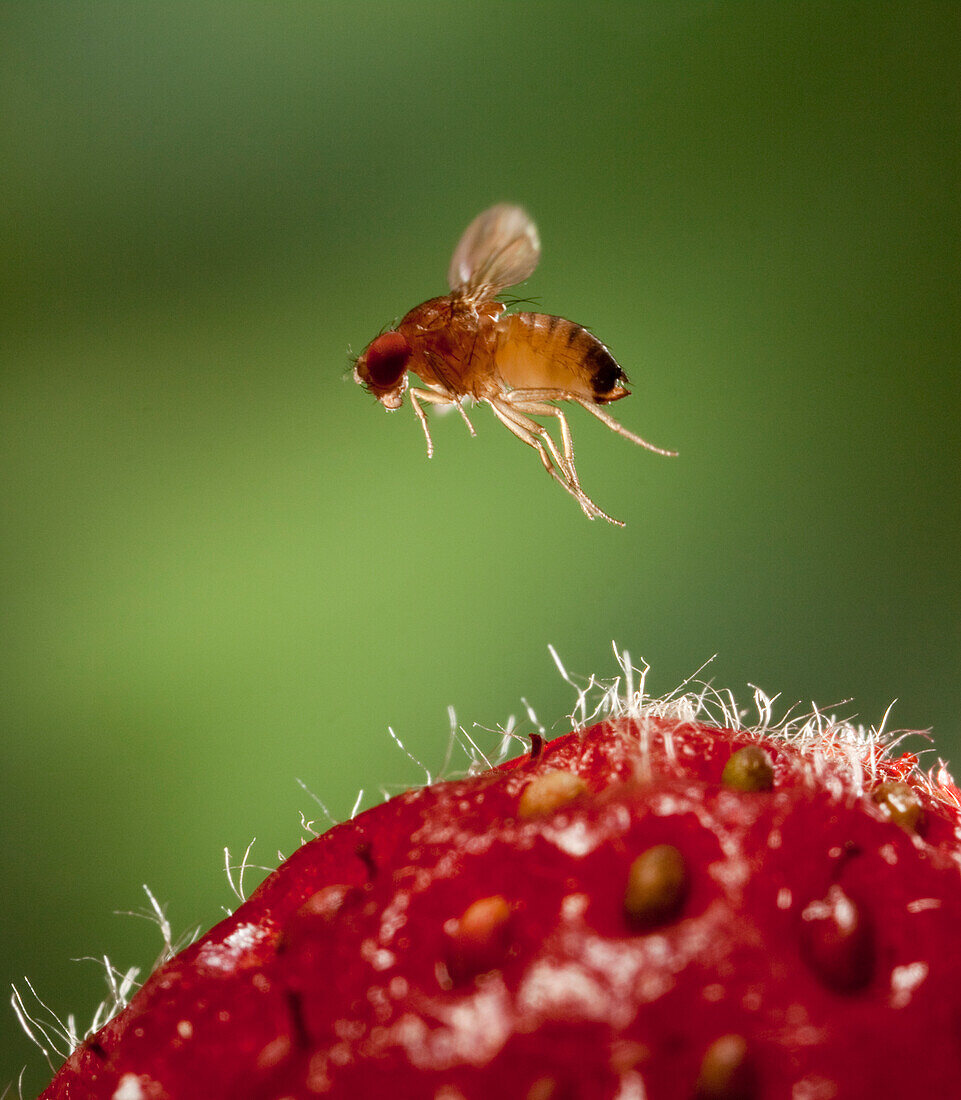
(647,908)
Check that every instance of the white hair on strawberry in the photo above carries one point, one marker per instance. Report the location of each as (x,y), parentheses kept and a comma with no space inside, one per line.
(669,901)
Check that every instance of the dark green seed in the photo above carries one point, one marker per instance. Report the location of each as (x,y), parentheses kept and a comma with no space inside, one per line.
(656,886)
(749,769)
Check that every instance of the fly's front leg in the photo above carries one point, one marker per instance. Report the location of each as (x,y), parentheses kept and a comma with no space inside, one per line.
(441,389)
(442,397)
(432,398)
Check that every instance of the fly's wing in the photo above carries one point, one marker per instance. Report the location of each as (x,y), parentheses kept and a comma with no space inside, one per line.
(499,248)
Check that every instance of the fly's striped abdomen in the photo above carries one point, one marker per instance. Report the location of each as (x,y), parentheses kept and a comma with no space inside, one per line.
(541,352)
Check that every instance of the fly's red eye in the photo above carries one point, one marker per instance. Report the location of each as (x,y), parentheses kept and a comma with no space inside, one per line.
(386,360)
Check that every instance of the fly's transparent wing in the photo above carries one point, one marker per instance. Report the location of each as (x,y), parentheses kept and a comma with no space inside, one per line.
(499,248)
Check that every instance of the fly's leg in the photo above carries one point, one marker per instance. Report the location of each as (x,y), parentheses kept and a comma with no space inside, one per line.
(460,409)
(540,408)
(606,418)
(508,418)
(532,434)
(432,398)
(457,402)
(436,397)
(538,430)
(532,403)
(443,391)
(565,464)
(523,396)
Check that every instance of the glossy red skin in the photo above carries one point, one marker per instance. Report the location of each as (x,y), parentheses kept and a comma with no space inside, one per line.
(350,995)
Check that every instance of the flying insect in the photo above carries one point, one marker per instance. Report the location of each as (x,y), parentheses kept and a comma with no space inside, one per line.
(465,346)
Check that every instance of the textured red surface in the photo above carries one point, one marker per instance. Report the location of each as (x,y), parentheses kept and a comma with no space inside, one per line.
(820,935)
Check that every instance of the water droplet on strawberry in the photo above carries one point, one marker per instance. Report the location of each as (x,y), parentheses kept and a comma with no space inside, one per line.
(837,941)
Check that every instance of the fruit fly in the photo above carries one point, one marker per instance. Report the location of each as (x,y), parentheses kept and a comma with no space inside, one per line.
(465,345)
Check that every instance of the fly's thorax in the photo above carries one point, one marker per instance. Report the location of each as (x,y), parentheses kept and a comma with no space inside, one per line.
(452,340)
(433,314)
(542,351)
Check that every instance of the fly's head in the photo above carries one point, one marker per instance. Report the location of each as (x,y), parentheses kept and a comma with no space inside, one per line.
(382,368)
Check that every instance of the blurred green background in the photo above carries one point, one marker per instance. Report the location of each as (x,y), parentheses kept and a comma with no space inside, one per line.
(225,567)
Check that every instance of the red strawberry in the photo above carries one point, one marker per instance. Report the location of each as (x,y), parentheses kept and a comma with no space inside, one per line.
(649,908)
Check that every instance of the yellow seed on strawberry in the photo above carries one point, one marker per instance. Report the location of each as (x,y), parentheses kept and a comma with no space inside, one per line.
(548,792)
(479,937)
(900,804)
(749,769)
(726,1072)
(656,886)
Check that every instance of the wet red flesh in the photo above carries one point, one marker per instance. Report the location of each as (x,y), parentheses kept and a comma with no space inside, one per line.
(445,945)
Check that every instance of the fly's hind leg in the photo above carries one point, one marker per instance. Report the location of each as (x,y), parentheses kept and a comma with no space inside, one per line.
(534,403)
(532,434)
(524,401)
(606,418)
(511,421)
(525,397)
(564,463)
